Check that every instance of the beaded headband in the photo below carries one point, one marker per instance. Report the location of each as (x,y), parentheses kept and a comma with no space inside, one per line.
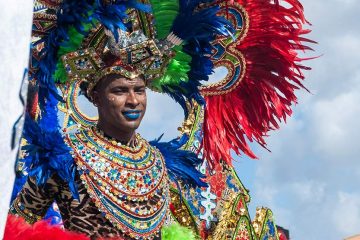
(86,65)
(132,55)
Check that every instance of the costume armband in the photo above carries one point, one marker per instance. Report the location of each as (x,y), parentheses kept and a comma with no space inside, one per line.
(18,209)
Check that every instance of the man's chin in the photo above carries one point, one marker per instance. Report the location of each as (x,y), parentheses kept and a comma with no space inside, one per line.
(132,125)
(127,124)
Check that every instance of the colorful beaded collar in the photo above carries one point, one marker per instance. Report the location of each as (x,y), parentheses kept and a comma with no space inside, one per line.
(129,185)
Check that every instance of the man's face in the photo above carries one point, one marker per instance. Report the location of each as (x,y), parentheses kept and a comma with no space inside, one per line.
(121,102)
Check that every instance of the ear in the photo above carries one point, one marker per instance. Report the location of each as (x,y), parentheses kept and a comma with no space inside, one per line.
(95,98)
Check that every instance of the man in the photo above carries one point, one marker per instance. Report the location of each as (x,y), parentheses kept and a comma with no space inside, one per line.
(122,180)
(120,185)
(121,104)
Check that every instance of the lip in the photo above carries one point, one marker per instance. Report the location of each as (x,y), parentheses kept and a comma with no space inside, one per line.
(132,114)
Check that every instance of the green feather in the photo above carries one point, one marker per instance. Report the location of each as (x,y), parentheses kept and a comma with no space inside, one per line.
(177,232)
(164,13)
(176,71)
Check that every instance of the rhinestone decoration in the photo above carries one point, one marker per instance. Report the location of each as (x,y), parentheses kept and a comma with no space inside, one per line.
(129,185)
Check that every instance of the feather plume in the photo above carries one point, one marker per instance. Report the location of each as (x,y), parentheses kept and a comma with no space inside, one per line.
(181,164)
(177,232)
(199,24)
(198,28)
(265,95)
(48,153)
(16,228)
(70,13)
(112,15)
(176,73)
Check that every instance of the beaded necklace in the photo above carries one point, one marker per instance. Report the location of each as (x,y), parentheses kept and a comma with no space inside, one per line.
(129,185)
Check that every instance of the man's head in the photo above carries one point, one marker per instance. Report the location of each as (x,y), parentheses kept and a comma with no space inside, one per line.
(121,103)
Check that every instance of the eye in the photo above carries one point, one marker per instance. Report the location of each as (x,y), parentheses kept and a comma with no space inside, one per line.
(119,90)
(140,90)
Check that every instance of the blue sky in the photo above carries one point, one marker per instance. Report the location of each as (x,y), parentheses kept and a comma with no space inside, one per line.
(311,177)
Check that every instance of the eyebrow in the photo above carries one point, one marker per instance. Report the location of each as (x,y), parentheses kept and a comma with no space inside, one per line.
(128,84)
(127,87)
(119,87)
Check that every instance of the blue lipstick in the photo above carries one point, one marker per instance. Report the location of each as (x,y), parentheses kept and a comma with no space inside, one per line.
(132,114)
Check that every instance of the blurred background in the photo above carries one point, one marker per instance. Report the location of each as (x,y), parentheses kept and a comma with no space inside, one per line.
(311,177)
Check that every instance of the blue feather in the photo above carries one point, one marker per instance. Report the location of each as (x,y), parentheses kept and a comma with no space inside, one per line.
(198,27)
(176,93)
(70,13)
(74,13)
(112,16)
(181,164)
(201,24)
(182,96)
(48,153)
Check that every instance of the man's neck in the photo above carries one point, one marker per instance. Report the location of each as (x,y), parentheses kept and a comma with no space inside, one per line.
(126,138)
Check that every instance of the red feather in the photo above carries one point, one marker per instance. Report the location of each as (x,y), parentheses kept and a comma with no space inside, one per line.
(17,229)
(273,72)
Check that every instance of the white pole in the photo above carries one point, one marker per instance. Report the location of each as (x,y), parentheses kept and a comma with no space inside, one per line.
(15,31)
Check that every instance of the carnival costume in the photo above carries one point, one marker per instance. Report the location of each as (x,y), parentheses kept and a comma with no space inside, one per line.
(146,191)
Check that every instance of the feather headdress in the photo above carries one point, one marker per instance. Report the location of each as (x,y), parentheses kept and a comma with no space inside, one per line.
(177,45)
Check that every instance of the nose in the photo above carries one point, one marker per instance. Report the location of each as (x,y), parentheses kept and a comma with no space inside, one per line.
(132,99)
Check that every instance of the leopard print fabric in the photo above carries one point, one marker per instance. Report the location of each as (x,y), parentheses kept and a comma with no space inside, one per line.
(78,216)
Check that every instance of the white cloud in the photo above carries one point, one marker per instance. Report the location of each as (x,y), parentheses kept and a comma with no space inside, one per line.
(266,192)
(336,126)
(308,191)
(346,214)
(313,210)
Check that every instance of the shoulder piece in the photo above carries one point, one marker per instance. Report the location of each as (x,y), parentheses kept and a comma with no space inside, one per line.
(181,164)
(46,153)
